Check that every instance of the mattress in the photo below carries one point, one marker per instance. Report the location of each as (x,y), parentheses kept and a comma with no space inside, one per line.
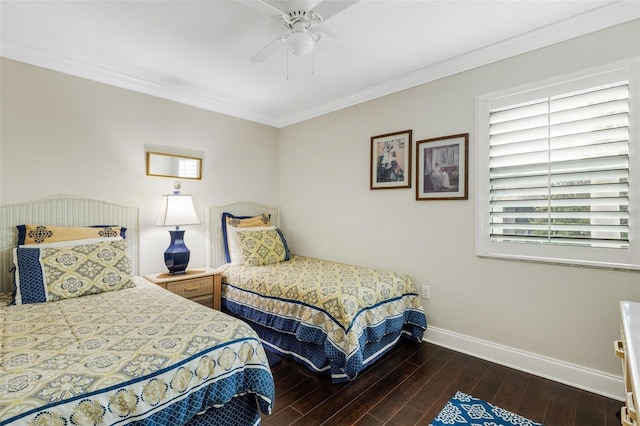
(140,355)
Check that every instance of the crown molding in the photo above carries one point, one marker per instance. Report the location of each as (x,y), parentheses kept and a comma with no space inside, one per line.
(33,56)
(595,20)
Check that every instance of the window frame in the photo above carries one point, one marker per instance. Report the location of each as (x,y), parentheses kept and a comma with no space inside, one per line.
(624,259)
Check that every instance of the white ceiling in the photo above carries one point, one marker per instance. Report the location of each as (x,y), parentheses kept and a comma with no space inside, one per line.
(197,52)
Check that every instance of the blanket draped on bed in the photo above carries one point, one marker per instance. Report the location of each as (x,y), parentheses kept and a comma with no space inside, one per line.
(134,356)
(350,314)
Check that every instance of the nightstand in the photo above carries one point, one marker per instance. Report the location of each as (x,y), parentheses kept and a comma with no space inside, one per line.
(202,285)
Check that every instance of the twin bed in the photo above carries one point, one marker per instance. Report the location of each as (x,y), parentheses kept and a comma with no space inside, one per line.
(131,354)
(138,354)
(334,318)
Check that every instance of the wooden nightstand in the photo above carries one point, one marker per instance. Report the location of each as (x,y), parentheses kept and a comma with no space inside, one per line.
(202,285)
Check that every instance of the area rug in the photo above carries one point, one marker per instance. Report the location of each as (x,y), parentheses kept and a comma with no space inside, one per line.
(464,409)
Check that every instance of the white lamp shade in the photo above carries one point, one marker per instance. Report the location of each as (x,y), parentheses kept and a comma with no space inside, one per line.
(177,210)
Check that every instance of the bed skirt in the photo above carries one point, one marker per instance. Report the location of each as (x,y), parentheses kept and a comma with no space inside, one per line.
(320,355)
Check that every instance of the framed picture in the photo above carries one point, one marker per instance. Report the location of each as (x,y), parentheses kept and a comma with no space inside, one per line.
(391,160)
(442,168)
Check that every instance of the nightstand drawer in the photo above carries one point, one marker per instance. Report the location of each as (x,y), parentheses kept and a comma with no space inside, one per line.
(198,285)
(192,288)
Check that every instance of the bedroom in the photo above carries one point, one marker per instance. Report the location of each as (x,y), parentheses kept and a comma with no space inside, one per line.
(64,134)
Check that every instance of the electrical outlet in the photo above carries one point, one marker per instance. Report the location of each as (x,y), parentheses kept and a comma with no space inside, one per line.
(426,292)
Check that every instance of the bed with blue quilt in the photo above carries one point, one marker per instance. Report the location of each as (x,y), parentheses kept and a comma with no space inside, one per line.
(335,318)
(86,341)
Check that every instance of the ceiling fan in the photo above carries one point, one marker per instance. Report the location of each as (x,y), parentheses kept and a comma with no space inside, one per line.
(300,18)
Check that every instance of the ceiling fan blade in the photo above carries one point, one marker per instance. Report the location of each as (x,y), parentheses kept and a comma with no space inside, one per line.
(270,49)
(328,8)
(261,7)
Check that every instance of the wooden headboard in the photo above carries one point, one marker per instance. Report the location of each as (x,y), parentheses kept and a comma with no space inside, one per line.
(62,210)
(213,226)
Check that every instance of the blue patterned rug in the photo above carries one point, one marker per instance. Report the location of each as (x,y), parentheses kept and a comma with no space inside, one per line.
(464,409)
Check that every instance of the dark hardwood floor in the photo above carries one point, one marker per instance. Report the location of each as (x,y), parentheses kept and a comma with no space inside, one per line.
(411,384)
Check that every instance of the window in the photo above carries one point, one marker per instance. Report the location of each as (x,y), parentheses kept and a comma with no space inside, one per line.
(558,173)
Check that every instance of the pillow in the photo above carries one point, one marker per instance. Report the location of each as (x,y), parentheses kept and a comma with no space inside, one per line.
(235,249)
(36,234)
(55,273)
(74,242)
(230,221)
(263,247)
(59,244)
(249,222)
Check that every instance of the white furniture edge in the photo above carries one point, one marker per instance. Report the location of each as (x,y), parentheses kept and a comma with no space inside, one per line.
(213,226)
(605,384)
(630,312)
(63,210)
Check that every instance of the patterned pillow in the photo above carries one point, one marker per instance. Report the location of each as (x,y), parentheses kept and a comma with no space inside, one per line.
(235,248)
(230,223)
(249,222)
(55,273)
(74,242)
(36,234)
(264,247)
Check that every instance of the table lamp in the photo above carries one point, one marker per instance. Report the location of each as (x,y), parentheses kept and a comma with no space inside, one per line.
(177,210)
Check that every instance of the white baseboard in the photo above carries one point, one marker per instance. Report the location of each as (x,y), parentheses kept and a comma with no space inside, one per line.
(570,374)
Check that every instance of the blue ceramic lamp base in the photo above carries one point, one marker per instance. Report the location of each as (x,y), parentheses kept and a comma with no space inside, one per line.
(176,257)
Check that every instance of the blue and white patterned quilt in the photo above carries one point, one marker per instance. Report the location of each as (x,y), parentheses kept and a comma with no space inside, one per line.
(331,316)
(140,355)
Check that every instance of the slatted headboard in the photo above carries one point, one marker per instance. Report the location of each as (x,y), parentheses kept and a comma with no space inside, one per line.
(213,226)
(63,210)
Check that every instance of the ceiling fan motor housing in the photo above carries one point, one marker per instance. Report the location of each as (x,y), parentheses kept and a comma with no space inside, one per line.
(308,18)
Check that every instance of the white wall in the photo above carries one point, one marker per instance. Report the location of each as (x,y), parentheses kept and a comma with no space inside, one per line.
(65,135)
(565,313)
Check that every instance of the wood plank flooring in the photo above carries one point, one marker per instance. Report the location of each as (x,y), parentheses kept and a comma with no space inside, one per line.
(411,384)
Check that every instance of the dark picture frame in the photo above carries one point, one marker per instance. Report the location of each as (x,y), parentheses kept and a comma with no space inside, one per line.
(442,171)
(391,160)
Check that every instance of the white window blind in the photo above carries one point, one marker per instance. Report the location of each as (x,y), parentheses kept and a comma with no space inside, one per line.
(559,169)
